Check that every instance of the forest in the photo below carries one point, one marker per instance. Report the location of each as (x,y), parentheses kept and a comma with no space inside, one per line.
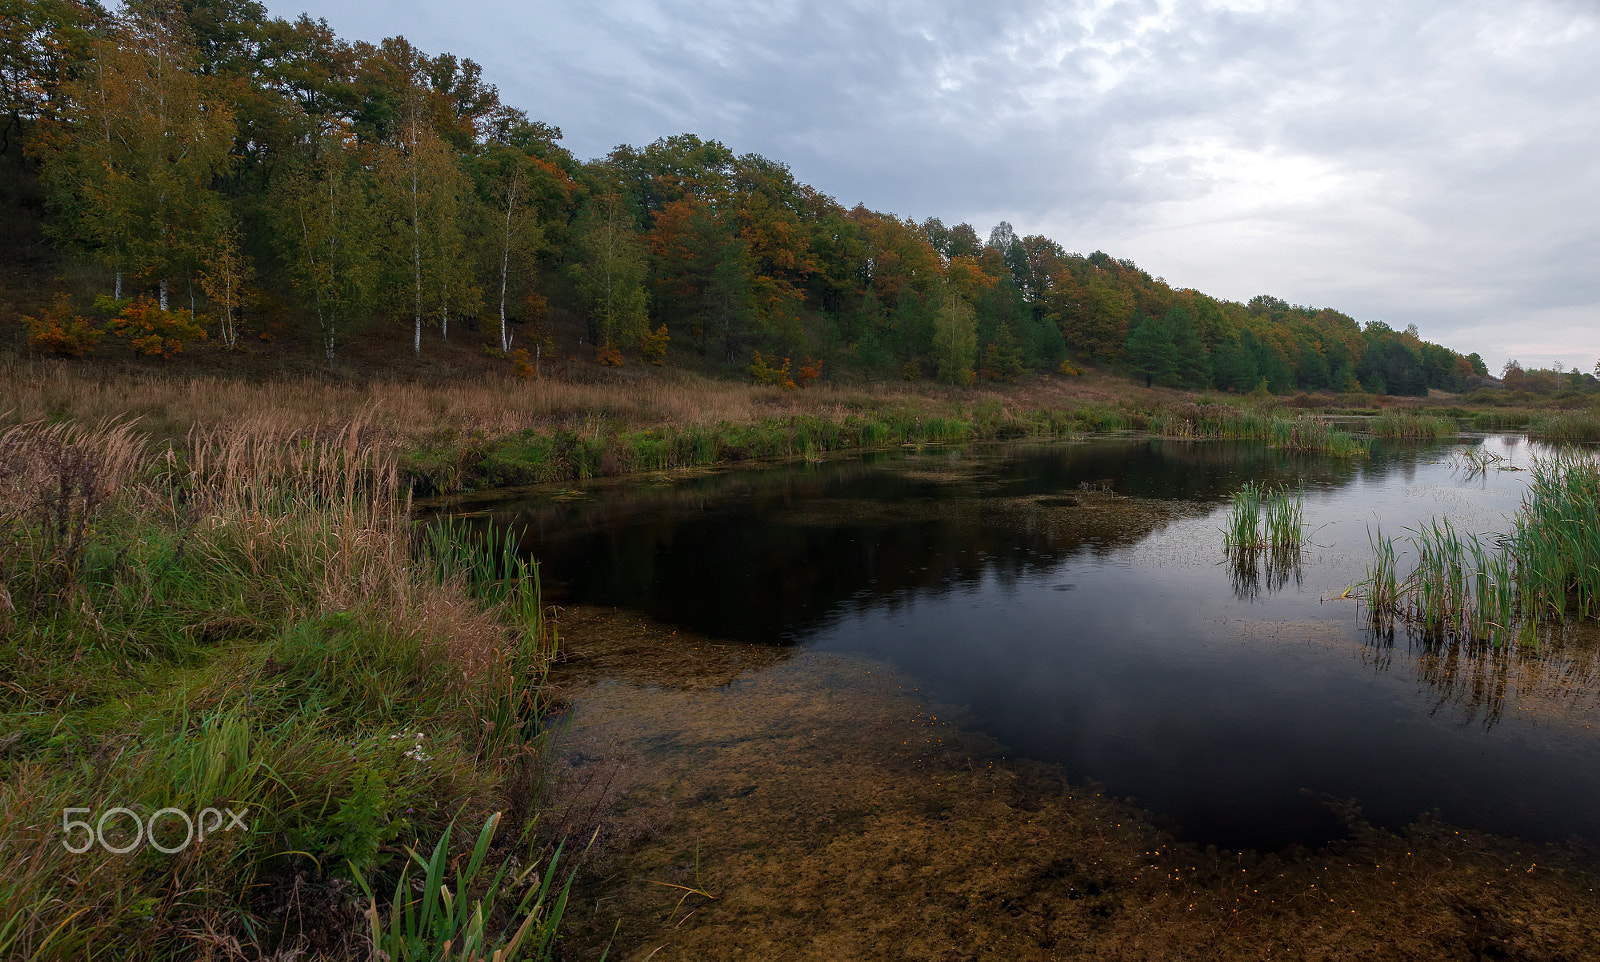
(218,174)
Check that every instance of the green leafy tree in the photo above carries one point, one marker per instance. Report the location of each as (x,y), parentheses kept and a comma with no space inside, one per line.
(424,190)
(132,166)
(611,271)
(509,175)
(326,230)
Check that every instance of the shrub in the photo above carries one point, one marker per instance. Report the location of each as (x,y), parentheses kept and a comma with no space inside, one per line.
(151,331)
(653,346)
(60,330)
(765,373)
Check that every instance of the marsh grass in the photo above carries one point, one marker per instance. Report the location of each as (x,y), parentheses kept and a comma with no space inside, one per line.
(1262,516)
(429,918)
(247,621)
(1411,426)
(1303,433)
(1578,426)
(1265,536)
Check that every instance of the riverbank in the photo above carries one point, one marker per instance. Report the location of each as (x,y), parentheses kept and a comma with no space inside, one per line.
(236,689)
(453,436)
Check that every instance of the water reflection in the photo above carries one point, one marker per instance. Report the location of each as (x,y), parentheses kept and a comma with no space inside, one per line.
(1072,596)
(1477,683)
(1253,570)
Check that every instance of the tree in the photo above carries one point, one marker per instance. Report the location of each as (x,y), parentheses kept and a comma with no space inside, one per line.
(1002,360)
(1150,350)
(611,270)
(226,273)
(424,189)
(508,180)
(326,229)
(956,338)
(727,305)
(41,41)
(1191,363)
(132,164)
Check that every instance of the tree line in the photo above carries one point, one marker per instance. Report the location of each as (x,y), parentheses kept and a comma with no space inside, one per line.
(219,165)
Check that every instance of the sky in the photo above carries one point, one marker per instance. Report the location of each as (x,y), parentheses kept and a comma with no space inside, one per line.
(1427,163)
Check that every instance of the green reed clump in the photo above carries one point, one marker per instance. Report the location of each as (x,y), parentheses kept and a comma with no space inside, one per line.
(1226,421)
(1316,436)
(1580,426)
(1499,420)
(1410,427)
(1265,517)
(1556,536)
(1382,587)
(428,915)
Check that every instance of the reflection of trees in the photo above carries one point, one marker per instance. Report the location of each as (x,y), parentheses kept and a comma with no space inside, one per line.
(757,553)
(766,555)
(1254,570)
(1559,675)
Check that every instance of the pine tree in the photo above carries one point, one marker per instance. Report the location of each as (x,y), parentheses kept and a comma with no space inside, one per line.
(1002,360)
(1192,365)
(1150,350)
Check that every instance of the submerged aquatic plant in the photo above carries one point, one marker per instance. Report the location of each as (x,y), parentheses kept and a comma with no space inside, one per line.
(1474,460)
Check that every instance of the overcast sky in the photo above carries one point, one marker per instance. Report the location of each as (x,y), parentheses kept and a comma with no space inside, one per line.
(1427,163)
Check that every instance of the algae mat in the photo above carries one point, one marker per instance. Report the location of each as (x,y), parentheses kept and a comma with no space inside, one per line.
(748,802)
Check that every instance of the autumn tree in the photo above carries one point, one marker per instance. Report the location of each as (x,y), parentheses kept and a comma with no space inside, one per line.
(227,271)
(41,42)
(132,164)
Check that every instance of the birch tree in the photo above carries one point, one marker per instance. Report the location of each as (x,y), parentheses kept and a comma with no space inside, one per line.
(611,272)
(424,190)
(133,163)
(226,273)
(326,229)
(519,235)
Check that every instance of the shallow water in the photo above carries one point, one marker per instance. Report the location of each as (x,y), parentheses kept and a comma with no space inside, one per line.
(1075,603)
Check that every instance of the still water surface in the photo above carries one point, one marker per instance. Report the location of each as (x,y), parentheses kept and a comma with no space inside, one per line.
(1078,601)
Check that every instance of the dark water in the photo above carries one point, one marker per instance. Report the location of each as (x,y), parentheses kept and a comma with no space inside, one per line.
(1077,598)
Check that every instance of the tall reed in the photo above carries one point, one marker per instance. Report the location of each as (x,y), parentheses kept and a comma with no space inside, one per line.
(1265,516)
(1583,426)
(1481,588)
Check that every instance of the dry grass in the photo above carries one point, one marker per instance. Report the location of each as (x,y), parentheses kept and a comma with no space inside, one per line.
(171,407)
(241,620)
